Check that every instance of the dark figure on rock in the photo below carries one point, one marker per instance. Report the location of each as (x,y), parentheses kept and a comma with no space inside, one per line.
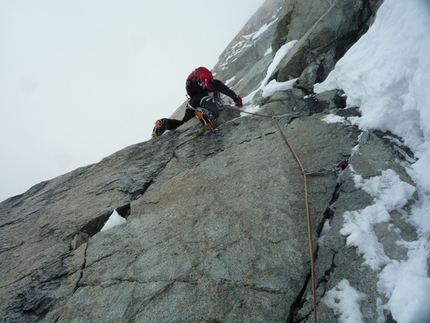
(204,101)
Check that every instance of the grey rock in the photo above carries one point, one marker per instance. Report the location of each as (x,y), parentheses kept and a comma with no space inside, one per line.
(325,30)
(216,223)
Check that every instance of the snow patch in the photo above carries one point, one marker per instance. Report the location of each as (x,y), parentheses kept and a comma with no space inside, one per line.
(332,118)
(280,54)
(230,80)
(268,51)
(263,29)
(251,108)
(405,284)
(345,302)
(390,193)
(275,86)
(114,220)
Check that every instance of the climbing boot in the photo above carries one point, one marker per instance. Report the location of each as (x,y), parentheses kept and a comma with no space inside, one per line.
(160,127)
(205,118)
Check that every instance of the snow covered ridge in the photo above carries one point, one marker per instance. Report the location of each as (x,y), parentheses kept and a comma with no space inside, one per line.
(386,74)
(391,85)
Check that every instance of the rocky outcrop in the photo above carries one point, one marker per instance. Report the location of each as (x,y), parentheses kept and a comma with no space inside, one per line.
(244,62)
(216,225)
(45,231)
(325,30)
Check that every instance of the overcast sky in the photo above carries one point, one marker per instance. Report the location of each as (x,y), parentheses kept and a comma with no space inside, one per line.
(82,79)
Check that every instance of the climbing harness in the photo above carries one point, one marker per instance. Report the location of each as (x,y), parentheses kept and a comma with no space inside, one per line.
(308,213)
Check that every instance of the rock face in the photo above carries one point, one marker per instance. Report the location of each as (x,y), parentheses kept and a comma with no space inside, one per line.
(216,228)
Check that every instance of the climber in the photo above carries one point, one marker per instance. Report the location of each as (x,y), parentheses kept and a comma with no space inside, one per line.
(204,100)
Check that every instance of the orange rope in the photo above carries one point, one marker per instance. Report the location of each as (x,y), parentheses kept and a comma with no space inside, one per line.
(308,213)
(309,220)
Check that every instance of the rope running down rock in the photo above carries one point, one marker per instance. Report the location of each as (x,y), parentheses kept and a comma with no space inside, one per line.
(308,214)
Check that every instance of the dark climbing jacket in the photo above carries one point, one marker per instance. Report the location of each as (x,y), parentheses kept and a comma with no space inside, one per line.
(201,82)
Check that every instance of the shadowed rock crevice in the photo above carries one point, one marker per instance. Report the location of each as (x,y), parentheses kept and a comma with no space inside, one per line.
(95,225)
(298,303)
(404,153)
(124,210)
(304,297)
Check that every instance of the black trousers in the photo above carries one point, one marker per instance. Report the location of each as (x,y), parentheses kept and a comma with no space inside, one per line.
(201,100)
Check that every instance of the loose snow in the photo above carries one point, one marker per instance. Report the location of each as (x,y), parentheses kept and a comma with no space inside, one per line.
(332,118)
(345,302)
(387,74)
(390,194)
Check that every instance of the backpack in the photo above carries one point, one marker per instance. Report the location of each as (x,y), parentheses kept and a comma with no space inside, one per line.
(199,81)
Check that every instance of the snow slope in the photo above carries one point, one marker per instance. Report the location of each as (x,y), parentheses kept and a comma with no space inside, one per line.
(387,74)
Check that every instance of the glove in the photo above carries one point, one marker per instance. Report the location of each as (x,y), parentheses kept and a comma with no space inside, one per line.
(238,101)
